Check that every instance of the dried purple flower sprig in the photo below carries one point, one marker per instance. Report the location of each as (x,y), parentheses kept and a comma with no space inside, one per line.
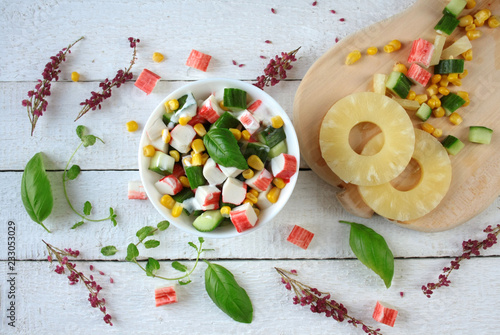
(121,77)
(469,248)
(75,276)
(320,302)
(36,104)
(275,71)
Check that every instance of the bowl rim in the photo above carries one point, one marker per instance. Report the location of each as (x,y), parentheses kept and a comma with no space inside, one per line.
(208,86)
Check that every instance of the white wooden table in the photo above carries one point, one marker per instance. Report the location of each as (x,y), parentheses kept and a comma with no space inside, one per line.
(31,31)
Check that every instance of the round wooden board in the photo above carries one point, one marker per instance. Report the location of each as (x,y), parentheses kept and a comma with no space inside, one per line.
(476,175)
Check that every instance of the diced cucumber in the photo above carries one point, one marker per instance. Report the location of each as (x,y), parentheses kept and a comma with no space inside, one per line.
(226,120)
(184,194)
(278,149)
(208,221)
(398,84)
(424,112)
(162,163)
(166,117)
(479,134)
(195,176)
(455,7)
(255,148)
(451,103)
(271,136)
(453,145)
(235,99)
(182,100)
(198,212)
(446,66)
(447,24)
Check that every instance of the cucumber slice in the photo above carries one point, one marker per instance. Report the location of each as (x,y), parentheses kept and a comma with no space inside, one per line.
(271,136)
(398,84)
(455,7)
(162,163)
(424,112)
(226,120)
(447,24)
(280,148)
(446,66)
(235,99)
(255,148)
(451,103)
(184,194)
(453,145)
(195,176)
(208,220)
(182,100)
(166,118)
(479,134)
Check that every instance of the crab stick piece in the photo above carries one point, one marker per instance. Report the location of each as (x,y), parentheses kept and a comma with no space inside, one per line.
(136,190)
(418,74)
(169,185)
(212,173)
(421,52)
(182,136)
(147,81)
(198,60)
(234,191)
(249,121)
(243,217)
(261,180)
(300,237)
(208,197)
(284,166)
(165,295)
(210,109)
(385,314)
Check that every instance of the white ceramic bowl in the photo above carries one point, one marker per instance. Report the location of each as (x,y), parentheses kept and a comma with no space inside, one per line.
(201,90)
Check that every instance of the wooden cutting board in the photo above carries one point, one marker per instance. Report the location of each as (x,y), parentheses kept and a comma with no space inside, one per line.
(476,173)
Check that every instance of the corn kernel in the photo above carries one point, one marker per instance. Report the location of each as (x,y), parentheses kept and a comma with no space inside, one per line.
(464,95)
(148,151)
(251,197)
(248,201)
(436,78)
(277,121)
(483,15)
(167,201)
(443,91)
(494,21)
(444,81)
(470,27)
(165,135)
(225,210)
(353,57)
(455,118)
(411,95)
(132,126)
(184,120)
(279,183)
(432,90)
(463,74)
(372,51)
(438,132)
(204,158)
(236,133)
(200,129)
(184,181)
(246,135)
(254,192)
(273,195)
(396,44)
(187,161)
(399,67)
(221,105)
(173,104)
(255,162)
(197,145)
(438,112)
(470,4)
(432,103)
(437,101)
(75,76)
(196,160)
(427,127)
(167,108)
(256,210)
(468,56)
(465,20)
(158,57)
(421,98)
(177,210)
(456,82)
(248,173)
(175,154)
(473,34)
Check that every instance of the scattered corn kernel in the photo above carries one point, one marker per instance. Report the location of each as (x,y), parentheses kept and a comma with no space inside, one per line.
(432,103)
(456,82)
(427,127)
(257,211)
(175,154)
(184,181)
(251,197)
(432,89)
(279,183)
(273,195)
(389,48)
(443,91)
(236,133)
(254,192)
(411,95)
(438,132)
(438,112)
(473,34)
(177,210)
(463,74)
(200,129)
(196,159)
(158,57)
(372,51)
(455,118)
(132,126)
(421,98)
(444,81)
(437,101)
(173,104)
(399,67)
(248,173)
(148,150)
(470,27)
(204,158)
(464,95)
(246,135)
(165,135)
(470,4)
(184,120)
(197,145)
(187,161)
(221,105)
(167,108)
(494,21)
(167,201)
(465,20)
(255,162)
(468,56)
(436,78)
(277,121)
(75,76)
(396,44)
(353,57)
(248,201)
(482,15)
(225,210)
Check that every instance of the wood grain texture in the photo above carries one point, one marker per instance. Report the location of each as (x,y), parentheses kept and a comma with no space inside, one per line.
(476,182)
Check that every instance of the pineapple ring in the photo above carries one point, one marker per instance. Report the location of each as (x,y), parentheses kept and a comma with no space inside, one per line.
(433,185)
(389,116)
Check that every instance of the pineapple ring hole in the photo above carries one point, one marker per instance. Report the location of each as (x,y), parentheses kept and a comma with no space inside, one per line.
(360,134)
(409,178)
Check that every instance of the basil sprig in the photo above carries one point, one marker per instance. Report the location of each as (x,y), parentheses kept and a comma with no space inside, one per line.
(36,192)
(372,250)
(223,148)
(225,292)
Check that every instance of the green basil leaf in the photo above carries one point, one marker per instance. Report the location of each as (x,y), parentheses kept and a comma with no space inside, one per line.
(145,232)
(109,250)
(163,225)
(87,208)
(79,131)
(132,252)
(73,172)
(36,192)
(223,148)
(372,250)
(179,267)
(151,244)
(225,292)
(152,266)
(78,224)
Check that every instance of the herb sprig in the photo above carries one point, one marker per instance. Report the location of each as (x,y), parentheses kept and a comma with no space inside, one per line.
(275,71)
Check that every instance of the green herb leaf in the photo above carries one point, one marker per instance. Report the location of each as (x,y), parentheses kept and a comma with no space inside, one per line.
(112,216)
(152,266)
(73,172)
(145,232)
(88,140)
(132,252)
(372,250)
(113,220)
(36,192)
(80,130)
(163,225)
(179,267)
(109,250)
(223,148)
(201,240)
(225,292)
(87,208)
(151,244)
(193,245)
(78,224)
(184,282)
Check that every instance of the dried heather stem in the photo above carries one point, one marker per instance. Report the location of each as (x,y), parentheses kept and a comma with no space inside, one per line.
(275,71)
